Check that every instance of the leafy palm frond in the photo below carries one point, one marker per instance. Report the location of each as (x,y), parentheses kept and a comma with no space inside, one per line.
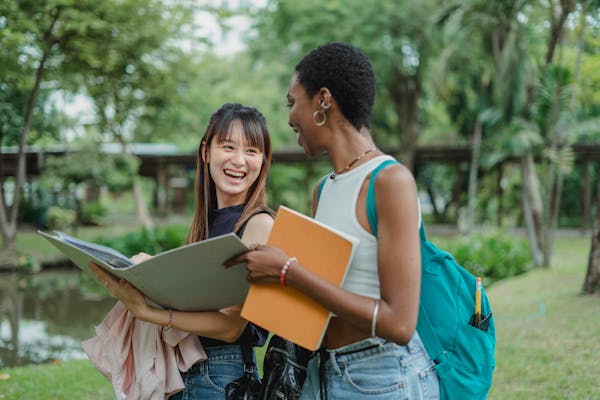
(585,131)
(563,158)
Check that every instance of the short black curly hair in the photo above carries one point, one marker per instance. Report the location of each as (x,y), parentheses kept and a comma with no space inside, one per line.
(347,72)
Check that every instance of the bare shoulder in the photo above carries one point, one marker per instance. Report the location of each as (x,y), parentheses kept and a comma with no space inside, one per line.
(394,177)
(396,199)
(260,221)
(258,229)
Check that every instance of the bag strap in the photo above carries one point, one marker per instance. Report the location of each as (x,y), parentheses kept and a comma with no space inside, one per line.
(249,365)
(371,211)
(424,327)
(321,185)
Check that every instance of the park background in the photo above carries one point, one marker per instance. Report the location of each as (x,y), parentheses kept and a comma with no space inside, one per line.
(494,106)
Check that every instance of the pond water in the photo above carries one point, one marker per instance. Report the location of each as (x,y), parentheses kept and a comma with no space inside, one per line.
(45,316)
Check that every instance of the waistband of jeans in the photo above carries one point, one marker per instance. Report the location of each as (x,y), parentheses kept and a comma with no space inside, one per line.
(219,351)
(369,346)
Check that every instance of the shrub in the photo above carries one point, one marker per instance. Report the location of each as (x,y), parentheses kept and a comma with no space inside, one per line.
(59,218)
(93,213)
(151,241)
(493,255)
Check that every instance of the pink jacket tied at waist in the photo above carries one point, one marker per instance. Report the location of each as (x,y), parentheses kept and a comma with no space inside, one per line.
(143,361)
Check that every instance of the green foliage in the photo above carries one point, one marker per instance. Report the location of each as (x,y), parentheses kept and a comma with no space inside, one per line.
(93,213)
(493,255)
(59,218)
(120,171)
(89,165)
(437,182)
(151,241)
(571,202)
(398,38)
(293,186)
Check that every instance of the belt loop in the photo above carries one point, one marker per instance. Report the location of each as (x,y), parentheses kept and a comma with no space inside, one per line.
(412,345)
(332,357)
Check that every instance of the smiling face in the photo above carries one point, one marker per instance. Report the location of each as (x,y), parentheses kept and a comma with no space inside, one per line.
(300,117)
(234,166)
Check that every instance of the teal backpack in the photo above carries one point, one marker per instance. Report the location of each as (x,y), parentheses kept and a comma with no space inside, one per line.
(463,354)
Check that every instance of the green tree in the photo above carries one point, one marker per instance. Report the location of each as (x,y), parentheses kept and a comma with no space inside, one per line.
(34,36)
(125,64)
(87,167)
(398,37)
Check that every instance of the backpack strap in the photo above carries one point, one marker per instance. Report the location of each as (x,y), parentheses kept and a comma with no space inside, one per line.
(371,211)
(321,185)
(424,327)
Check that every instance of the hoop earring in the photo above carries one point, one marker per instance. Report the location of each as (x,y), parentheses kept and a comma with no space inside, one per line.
(322,112)
(323,120)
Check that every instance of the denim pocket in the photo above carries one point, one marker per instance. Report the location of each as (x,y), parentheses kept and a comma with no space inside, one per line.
(378,374)
(429,381)
(222,372)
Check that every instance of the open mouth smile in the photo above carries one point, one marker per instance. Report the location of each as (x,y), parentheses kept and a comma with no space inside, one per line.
(234,174)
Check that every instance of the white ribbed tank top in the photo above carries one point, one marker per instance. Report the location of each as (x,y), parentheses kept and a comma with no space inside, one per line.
(337,208)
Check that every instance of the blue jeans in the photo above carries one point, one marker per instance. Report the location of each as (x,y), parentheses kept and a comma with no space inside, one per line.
(207,379)
(373,369)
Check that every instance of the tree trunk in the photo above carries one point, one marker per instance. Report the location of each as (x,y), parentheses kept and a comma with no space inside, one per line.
(11,305)
(532,208)
(140,206)
(500,196)
(592,279)
(579,58)
(586,196)
(556,31)
(553,211)
(476,151)
(405,93)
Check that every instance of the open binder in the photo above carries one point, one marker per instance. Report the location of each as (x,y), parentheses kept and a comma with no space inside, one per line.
(187,278)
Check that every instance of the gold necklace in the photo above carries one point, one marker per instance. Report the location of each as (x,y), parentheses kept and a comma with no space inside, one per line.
(334,173)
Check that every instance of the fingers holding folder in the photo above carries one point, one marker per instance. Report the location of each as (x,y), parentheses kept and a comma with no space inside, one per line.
(263,263)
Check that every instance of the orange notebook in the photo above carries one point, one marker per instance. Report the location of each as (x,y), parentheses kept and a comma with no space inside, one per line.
(284,310)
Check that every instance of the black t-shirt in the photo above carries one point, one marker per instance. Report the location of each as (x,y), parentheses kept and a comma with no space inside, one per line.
(223,221)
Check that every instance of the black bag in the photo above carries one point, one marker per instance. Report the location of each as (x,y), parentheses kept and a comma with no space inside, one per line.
(247,387)
(284,370)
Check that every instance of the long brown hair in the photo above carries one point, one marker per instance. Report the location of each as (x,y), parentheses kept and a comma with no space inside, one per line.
(254,127)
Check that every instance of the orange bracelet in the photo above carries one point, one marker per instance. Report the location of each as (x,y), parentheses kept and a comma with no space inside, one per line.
(284,269)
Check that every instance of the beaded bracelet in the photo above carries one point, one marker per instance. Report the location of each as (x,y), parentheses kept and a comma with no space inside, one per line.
(284,269)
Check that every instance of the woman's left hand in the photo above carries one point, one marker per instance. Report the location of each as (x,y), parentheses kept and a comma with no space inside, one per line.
(263,263)
(132,298)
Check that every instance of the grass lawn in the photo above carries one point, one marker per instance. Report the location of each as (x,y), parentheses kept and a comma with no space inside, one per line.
(547,341)
(547,332)
(68,380)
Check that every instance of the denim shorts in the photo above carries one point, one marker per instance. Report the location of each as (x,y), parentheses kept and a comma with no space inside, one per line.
(373,369)
(207,379)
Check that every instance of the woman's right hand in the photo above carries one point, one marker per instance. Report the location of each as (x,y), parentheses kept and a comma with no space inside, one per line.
(132,298)
(263,263)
